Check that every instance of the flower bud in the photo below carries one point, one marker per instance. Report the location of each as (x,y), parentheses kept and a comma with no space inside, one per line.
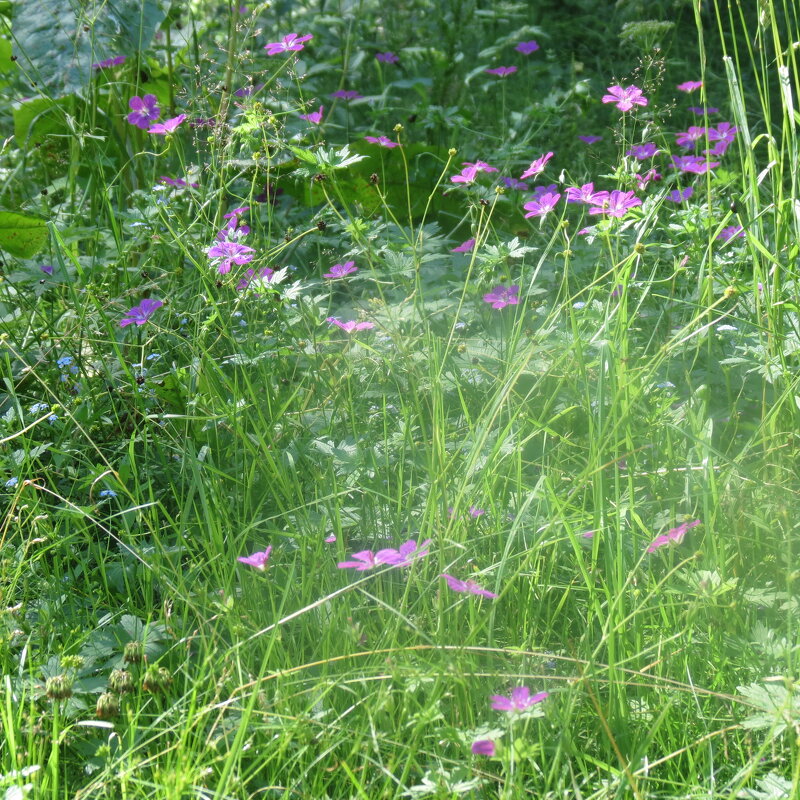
(58,687)
(133,653)
(107,706)
(156,680)
(120,681)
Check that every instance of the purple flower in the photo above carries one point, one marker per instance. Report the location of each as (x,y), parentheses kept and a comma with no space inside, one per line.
(483,747)
(643,180)
(227,253)
(468,586)
(236,212)
(141,313)
(232,233)
(383,141)
(641,152)
(405,555)
(675,535)
(340,270)
(617,204)
(168,126)
(345,94)
(144,110)
(47,269)
(246,91)
(678,196)
(364,560)
(352,325)
(177,182)
(501,72)
(694,164)
(585,194)
(591,139)
(625,98)
(519,700)
(467,175)
(700,111)
(526,48)
(724,132)
(542,205)
(691,137)
(465,247)
(314,116)
(290,43)
(718,149)
(513,183)
(541,191)
(264,275)
(476,512)
(689,86)
(502,296)
(330,539)
(109,62)
(732,231)
(536,166)
(257,560)
(480,166)
(387,58)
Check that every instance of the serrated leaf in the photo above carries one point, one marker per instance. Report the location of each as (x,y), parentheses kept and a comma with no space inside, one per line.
(20,235)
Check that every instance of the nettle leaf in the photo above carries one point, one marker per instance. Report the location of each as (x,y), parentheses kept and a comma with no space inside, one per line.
(20,235)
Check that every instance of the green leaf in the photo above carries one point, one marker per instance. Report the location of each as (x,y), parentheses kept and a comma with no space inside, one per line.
(20,235)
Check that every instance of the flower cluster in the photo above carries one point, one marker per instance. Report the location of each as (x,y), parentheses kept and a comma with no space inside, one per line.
(228,249)
(404,556)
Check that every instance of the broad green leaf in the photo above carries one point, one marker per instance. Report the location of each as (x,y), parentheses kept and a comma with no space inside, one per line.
(20,235)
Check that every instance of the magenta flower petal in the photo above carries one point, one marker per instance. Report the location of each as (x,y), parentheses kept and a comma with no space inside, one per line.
(520,699)
(536,166)
(526,48)
(625,98)
(689,86)
(502,296)
(383,141)
(501,72)
(257,560)
(168,126)
(144,110)
(483,747)
(363,560)
(468,586)
(290,43)
(141,313)
(387,58)
(351,325)
(314,117)
(340,270)
(674,535)
(464,247)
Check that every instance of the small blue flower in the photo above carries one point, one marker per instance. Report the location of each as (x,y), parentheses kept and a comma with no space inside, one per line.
(153,356)
(36,408)
(64,361)
(11,483)
(52,418)
(108,493)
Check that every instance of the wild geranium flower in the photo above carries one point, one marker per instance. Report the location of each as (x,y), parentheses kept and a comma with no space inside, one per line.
(330,539)
(513,183)
(700,111)
(168,126)
(109,62)
(363,560)
(290,43)
(345,94)
(541,191)
(47,269)
(405,555)
(678,195)
(694,164)
(520,699)
(618,204)
(585,194)
(480,166)
(257,560)
(526,48)
(691,137)
(483,747)
(731,232)
(226,253)
(625,98)
(141,313)
(675,535)
(144,110)
(246,91)
(465,247)
(501,72)
(502,296)
(177,182)
(643,180)
(476,512)
(468,586)
(352,325)
(340,270)
(591,139)
(264,276)
(536,166)
(723,132)
(236,212)
(387,58)
(314,116)
(542,205)
(641,152)
(467,175)
(690,86)
(383,141)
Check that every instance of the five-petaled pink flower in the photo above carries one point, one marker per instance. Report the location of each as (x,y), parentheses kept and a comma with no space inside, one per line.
(502,296)
(501,72)
(694,164)
(617,204)
(257,560)
(483,747)
(675,535)
(464,247)
(520,699)
(650,175)
(290,43)
(691,137)
(141,313)
(625,98)
(226,253)
(526,48)
(340,270)
(109,62)
(689,86)
(641,152)
(363,560)
(542,204)
(405,555)
(387,58)
(468,586)
(585,194)
(467,175)
(383,141)
(168,126)
(480,166)
(314,116)
(144,110)
(536,166)
(264,276)
(351,325)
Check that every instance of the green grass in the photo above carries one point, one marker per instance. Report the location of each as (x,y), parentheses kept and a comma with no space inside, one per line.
(647,377)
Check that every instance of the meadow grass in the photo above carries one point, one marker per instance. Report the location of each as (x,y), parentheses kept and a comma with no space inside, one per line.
(609,448)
